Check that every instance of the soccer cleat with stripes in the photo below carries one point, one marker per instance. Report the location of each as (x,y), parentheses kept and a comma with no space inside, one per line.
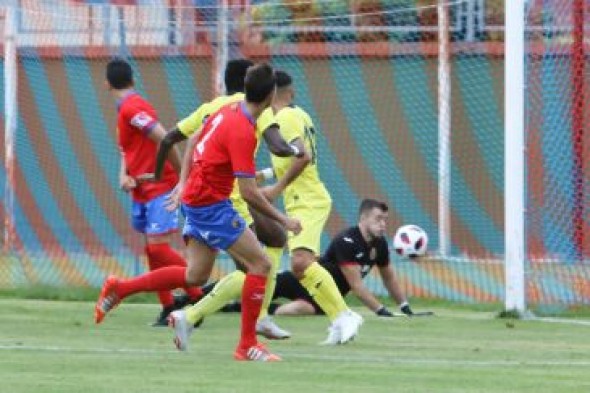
(256,353)
(107,300)
(182,329)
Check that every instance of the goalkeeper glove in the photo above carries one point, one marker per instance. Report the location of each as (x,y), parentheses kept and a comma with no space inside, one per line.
(405,308)
(383,312)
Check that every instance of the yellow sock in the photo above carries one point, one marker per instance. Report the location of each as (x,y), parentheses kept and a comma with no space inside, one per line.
(321,286)
(275,255)
(227,289)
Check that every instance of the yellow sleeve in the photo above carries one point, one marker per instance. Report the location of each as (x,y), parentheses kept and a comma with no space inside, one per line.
(190,124)
(292,126)
(264,121)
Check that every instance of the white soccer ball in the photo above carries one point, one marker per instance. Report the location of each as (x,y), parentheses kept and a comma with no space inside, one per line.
(410,241)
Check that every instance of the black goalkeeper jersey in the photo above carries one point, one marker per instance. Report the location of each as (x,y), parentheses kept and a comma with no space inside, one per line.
(349,247)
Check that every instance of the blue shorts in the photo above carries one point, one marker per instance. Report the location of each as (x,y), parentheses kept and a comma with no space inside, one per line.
(218,225)
(152,218)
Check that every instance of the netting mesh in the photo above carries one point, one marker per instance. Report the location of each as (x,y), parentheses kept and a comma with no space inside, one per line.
(557,153)
(368,73)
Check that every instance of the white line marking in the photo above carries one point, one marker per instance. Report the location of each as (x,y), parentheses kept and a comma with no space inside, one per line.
(315,356)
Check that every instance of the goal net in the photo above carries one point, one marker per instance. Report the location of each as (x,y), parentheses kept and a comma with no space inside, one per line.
(407,97)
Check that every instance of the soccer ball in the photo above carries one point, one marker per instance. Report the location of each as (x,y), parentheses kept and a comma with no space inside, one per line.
(410,241)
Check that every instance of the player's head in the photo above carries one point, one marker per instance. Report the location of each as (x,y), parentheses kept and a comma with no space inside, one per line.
(119,74)
(235,72)
(260,84)
(285,89)
(373,217)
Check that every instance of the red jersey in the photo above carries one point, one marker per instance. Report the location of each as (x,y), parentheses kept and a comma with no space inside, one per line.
(225,150)
(136,118)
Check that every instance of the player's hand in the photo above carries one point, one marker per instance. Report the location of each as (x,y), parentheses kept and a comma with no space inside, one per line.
(383,312)
(127,183)
(271,192)
(405,308)
(293,225)
(173,199)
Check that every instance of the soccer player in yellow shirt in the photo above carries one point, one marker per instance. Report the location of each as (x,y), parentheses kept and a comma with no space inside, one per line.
(269,232)
(307,199)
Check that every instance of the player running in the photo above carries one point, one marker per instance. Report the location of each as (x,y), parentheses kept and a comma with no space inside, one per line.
(138,135)
(307,198)
(223,151)
(269,232)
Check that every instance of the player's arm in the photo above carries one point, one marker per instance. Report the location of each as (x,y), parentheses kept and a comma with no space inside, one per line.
(393,288)
(166,148)
(173,200)
(126,182)
(242,147)
(352,273)
(185,128)
(187,159)
(158,134)
(278,146)
(297,166)
(255,199)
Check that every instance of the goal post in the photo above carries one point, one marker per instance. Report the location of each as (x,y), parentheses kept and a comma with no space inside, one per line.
(514,167)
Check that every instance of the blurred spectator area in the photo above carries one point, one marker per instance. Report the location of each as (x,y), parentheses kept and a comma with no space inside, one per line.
(190,22)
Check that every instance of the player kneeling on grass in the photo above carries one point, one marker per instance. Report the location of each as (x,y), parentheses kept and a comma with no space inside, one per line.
(349,258)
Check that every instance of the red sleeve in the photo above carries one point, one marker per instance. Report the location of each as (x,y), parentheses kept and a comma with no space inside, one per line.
(139,119)
(242,146)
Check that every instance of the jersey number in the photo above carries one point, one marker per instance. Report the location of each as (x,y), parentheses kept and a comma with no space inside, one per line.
(214,124)
(310,138)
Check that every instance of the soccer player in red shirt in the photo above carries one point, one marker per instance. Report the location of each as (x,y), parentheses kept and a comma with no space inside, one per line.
(138,135)
(223,151)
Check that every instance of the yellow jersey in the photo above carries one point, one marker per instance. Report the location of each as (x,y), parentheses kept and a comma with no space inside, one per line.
(192,123)
(307,189)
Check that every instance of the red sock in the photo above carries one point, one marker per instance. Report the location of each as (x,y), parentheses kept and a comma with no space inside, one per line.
(165,278)
(164,255)
(252,296)
(166,297)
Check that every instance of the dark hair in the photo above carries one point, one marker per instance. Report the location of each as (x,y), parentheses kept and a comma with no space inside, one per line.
(260,81)
(283,79)
(235,72)
(119,74)
(370,204)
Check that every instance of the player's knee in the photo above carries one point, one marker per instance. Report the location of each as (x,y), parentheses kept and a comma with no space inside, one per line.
(259,266)
(272,237)
(194,277)
(300,261)
(296,307)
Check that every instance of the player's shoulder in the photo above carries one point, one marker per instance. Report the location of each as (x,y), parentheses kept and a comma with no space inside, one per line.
(303,114)
(226,99)
(135,103)
(350,235)
(289,115)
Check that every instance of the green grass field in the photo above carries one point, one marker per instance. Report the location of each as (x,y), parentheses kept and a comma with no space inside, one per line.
(54,346)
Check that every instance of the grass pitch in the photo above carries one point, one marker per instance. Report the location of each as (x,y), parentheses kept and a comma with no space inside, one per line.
(54,346)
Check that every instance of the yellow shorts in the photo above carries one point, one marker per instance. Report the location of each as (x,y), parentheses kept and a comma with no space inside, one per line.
(242,208)
(313,219)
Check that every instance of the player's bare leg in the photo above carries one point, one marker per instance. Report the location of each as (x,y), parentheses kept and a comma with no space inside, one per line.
(201,259)
(295,307)
(247,250)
